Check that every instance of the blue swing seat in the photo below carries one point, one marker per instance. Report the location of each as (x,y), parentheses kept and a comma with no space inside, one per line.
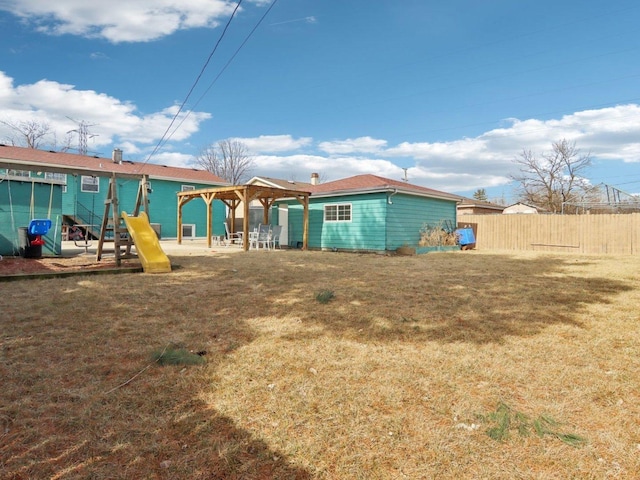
(39,227)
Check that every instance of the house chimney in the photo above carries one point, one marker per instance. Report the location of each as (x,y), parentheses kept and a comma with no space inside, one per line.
(314,178)
(116,156)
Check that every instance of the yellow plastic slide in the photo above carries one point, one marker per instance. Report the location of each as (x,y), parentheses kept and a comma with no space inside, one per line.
(150,253)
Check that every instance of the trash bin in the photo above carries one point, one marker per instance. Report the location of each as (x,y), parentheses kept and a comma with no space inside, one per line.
(27,248)
(465,237)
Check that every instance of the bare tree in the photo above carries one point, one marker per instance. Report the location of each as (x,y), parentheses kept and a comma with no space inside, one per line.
(34,134)
(228,159)
(28,133)
(552,179)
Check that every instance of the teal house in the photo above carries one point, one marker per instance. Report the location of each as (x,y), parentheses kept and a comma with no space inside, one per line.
(70,190)
(368,213)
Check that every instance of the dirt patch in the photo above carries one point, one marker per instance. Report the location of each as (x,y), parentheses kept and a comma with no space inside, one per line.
(30,266)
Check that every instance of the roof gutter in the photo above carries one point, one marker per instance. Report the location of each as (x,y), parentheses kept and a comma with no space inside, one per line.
(360,191)
(45,167)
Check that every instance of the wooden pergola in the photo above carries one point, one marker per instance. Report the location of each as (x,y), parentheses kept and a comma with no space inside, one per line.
(233,196)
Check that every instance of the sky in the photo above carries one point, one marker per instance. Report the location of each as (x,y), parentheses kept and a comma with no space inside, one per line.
(445,94)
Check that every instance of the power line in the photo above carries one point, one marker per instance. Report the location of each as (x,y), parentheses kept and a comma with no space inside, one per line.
(222,70)
(193,86)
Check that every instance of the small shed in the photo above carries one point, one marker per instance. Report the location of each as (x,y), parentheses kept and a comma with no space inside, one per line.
(370,213)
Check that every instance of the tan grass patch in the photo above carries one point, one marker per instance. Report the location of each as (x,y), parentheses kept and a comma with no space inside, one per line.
(393,378)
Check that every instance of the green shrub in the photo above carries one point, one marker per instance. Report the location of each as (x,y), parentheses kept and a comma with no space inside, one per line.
(325,296)
(176,356)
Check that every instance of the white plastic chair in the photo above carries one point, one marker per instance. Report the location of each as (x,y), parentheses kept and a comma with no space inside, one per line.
(275,236)
(264,236)
(231,237)
(253,239)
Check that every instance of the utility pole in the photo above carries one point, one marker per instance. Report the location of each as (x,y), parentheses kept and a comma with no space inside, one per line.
(83,135)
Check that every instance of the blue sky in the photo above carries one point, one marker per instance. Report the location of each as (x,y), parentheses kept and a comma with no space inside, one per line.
(451,91)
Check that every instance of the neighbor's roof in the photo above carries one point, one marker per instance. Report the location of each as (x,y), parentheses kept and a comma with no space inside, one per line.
(29,158)
(522,205)
(472,202)
(372,183)
(280,183)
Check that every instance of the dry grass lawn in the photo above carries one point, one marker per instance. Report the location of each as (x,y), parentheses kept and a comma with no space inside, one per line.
(453,365)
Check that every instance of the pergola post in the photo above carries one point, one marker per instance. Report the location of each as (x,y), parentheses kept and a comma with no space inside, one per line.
(305,223)
(208,200)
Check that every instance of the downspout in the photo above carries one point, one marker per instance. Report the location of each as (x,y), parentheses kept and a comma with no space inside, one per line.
(395,190)
(390,202)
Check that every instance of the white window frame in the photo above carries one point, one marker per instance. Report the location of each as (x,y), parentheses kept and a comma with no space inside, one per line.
(12,172)
(94,181)
(192,226)
(61,177)
(340,215)
(187,188)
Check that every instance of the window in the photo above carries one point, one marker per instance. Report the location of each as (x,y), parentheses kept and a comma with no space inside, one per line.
(61,177)
(18,173)
(188,230)
(186,188)
(90,184)
(337,213)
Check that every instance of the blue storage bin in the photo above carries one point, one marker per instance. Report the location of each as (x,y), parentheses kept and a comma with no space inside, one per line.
(465,236)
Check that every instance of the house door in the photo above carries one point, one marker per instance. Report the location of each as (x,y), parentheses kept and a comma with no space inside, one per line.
(283,220)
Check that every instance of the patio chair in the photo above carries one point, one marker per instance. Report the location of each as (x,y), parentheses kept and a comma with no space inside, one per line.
(275,236)
(231,237)
(253,238)
(264,236)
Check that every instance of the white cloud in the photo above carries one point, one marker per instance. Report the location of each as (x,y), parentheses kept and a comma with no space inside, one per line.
(464,164)
(274,143)
(353,145)
(309,19)
(609,133)
(119,20)
(98,56)
(110,120)
(300,167)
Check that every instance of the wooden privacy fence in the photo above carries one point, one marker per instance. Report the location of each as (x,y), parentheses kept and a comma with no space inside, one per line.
(591,234)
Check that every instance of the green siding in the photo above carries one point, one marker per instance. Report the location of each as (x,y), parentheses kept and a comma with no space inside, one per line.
(408,214)
(88,207)
(376,224)
(163,208)
(364,232)
(15,212)
(163,204)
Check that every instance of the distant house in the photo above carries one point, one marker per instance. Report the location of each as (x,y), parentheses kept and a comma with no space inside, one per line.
(71,190)
(367,212)
(256,211)
(286,184)
(520,208)
(470,206)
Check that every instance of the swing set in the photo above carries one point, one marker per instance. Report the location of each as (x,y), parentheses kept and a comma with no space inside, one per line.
(32,242)
(38,226)
(113,227)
